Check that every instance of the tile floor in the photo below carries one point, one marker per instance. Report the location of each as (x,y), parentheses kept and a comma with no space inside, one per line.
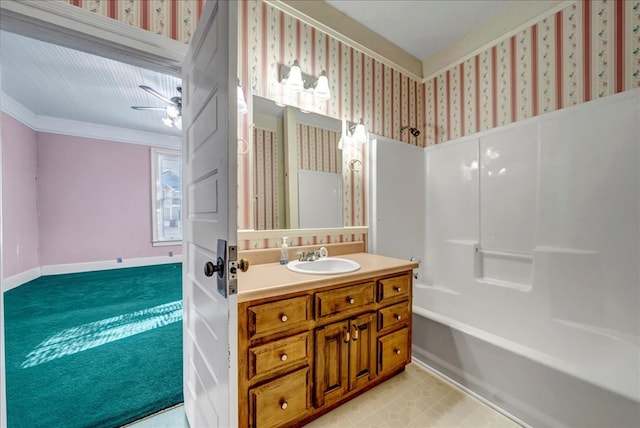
(415,398)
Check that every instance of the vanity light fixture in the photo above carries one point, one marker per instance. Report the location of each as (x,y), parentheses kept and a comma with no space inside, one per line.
(299,89)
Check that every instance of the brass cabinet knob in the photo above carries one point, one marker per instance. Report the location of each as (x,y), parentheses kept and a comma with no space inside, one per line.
(283,357)
(398,317)
(398,289)
(396,351)
(243,265)
(284,405)
(351,300)
(284,318)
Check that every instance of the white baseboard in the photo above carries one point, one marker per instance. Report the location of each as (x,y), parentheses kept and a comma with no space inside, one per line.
(108,264)
(21,278)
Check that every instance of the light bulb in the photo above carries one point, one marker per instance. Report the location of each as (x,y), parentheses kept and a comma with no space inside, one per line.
(172,111)
(294,80)
(322,91)
(242,104)
(167,121)
(360,134)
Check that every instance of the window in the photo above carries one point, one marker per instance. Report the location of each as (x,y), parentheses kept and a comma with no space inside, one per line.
(166,198)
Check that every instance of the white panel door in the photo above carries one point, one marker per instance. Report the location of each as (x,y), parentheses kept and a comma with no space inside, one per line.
(210,304)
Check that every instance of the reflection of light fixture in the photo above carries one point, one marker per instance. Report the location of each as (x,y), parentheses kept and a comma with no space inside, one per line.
(352,133)
(242,104)
(360,134)
(294,87)
(353,137)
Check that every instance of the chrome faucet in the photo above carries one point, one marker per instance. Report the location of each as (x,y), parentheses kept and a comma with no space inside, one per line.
(308,257)
(312,255)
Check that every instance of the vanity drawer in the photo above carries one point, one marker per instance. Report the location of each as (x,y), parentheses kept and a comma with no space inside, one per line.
(279,355)
(281,401)
(393,350)
(393,316)
(273,317)
(395,287)
(342,299)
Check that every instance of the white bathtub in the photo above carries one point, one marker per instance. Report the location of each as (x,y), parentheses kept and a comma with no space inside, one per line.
(556,382)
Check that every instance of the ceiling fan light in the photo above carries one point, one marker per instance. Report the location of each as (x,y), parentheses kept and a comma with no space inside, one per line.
(167,121)
(172,111)
(322,91)
(294,80)
(242,104)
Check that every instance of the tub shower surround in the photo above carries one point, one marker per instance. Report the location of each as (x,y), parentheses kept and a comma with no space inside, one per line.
(532,265)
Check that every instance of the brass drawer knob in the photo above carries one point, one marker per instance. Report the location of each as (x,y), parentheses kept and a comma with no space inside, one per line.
(284,318)
(283,357)
(284,405)
(398,289)
(351,300)
(398,317)
(396,351)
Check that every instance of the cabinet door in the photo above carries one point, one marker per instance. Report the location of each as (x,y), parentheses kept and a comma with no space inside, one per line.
(332,362)
(362,350)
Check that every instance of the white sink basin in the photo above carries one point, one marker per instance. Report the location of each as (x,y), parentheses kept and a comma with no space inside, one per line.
(324,266)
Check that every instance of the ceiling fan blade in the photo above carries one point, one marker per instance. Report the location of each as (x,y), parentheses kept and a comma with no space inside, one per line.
(149,108)
(158,94)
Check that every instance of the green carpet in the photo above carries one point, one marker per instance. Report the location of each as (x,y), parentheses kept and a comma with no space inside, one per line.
(94,349)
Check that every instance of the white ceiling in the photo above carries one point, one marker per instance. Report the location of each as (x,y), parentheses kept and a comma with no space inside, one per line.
(421,27)
(53,81)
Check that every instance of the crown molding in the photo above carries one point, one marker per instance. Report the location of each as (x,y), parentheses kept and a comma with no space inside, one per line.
(515,18)
(76,128)
(336,24)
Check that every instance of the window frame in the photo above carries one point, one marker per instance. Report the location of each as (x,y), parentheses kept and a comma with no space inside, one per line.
(155,156)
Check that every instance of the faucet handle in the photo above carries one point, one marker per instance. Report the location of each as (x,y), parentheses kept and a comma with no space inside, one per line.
(301,256)
(322,252)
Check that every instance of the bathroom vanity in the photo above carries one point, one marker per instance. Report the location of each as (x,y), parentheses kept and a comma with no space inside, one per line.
(308,343)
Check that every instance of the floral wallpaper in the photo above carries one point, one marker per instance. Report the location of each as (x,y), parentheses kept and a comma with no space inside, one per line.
(588,50)
(175,19)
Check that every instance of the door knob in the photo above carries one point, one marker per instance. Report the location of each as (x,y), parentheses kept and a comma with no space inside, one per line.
(243,265)
(210,268)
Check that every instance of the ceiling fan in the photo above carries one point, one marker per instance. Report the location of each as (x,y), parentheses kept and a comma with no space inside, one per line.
(173,109)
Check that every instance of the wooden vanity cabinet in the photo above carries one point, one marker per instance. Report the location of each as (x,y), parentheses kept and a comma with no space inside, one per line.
(345,357)
(303,354)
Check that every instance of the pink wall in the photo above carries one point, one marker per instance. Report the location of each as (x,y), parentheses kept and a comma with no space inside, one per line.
(19,197)
(95,201)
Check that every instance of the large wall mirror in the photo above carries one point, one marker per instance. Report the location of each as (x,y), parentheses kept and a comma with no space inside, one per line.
(299,177)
